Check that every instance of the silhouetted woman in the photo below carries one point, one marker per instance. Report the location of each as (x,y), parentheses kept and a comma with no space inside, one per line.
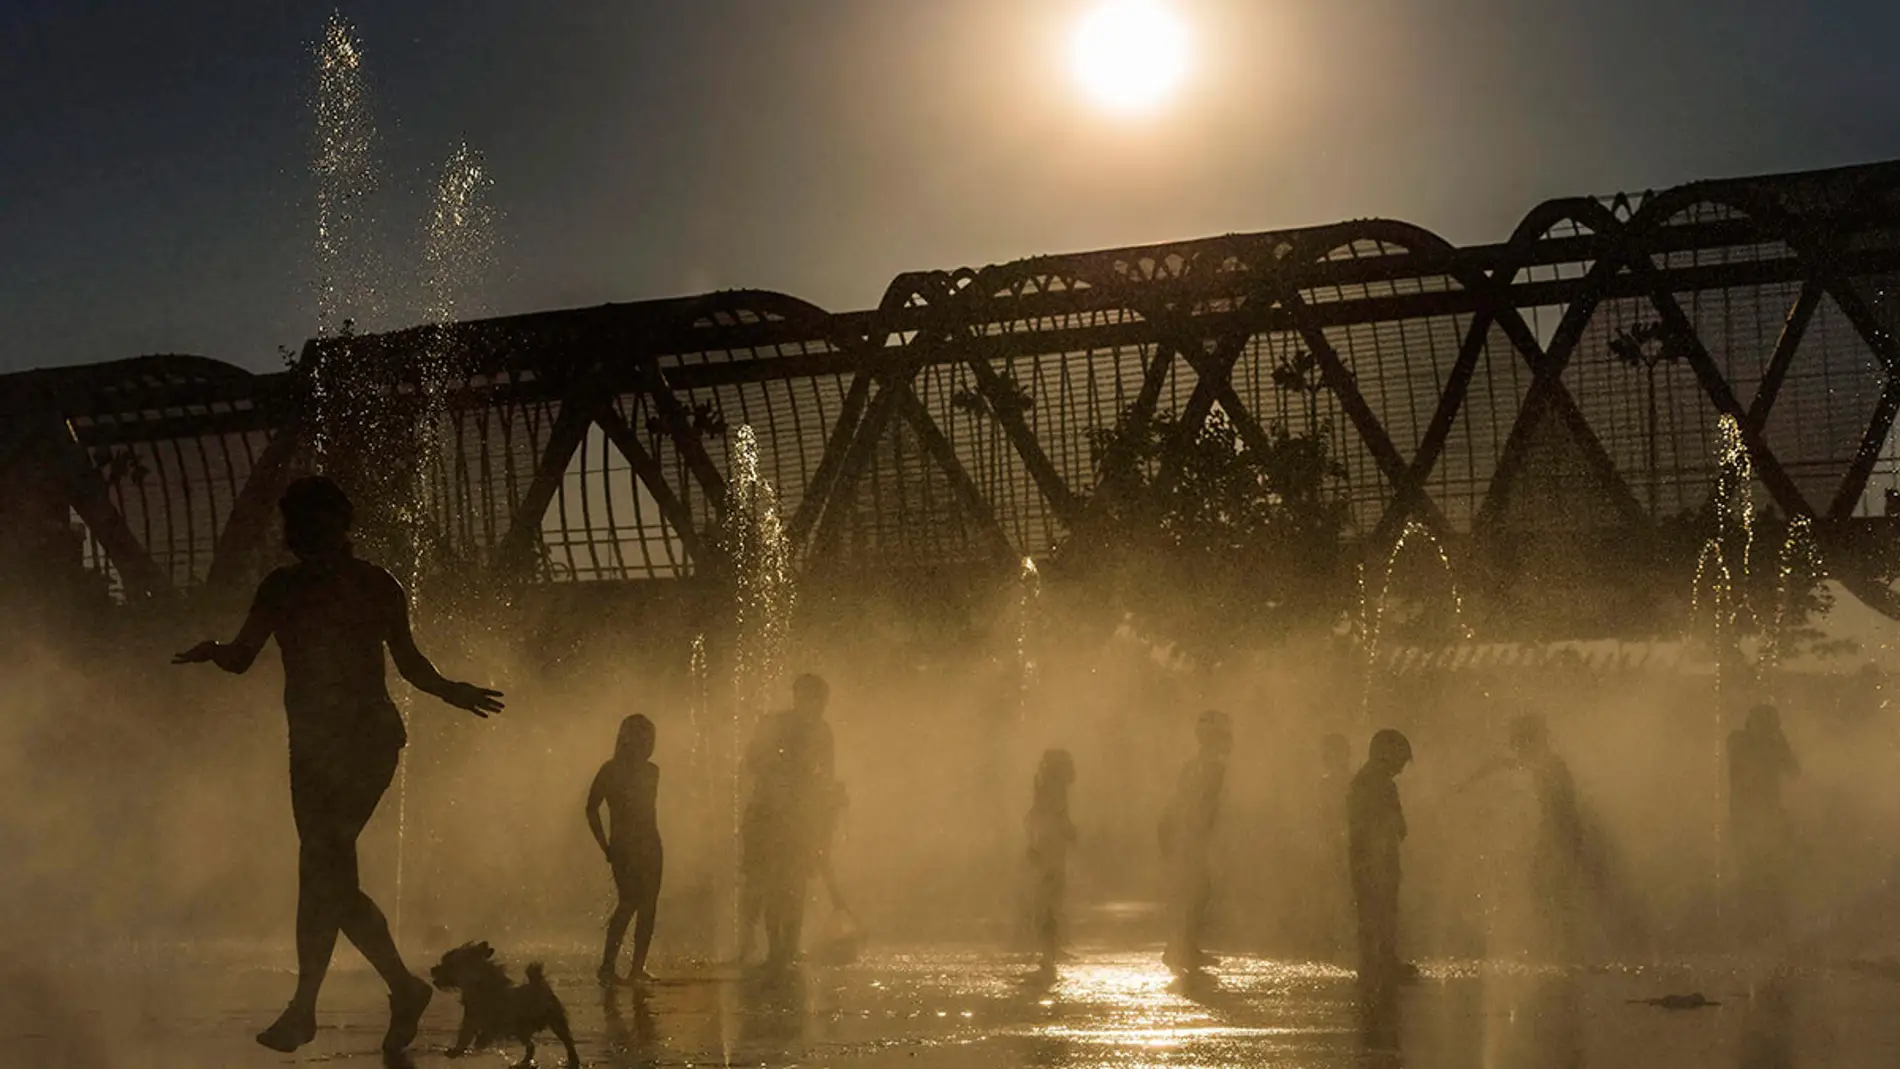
(332,615)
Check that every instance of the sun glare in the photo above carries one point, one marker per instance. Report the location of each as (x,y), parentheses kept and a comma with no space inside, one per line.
(1130,55)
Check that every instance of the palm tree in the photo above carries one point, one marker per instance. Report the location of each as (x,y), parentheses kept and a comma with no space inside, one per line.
(1647,347)
(1010,399)
(1299,372)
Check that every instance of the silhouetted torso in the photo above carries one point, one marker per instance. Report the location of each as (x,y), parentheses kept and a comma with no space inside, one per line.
(1757,764)
(795,786)
(331,617)
(1196,804)
(1376,825)
(1050,833)
(1557,804)
(631,792)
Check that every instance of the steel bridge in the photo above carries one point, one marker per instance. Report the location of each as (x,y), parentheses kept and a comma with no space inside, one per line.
(1474,389)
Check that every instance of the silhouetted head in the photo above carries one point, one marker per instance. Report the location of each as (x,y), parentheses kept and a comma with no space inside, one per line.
(1056,772)
(1215,732)
(810,692)
(1335,754)
(1763,720)
(1529,736)
(636,738)
(1390,751)
(317,516)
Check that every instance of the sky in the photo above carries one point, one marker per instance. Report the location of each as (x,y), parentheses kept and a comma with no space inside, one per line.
(155,191)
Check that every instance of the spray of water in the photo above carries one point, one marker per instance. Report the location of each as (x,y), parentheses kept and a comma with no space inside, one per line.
(698,705)
(761,560)
(759,555)
(459,245)
(1800,563)
(1374,609)
(457,251)
(1028,625)
(343,164)
(1719,597)
(457,254)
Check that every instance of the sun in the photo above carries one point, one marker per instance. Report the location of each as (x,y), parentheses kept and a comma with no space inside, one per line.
(1130,55)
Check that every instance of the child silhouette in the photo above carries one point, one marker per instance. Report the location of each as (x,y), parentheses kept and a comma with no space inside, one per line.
(1187,838)
(1051,833)
(628,786)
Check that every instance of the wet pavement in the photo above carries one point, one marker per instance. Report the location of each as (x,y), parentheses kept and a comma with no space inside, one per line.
(944,1007)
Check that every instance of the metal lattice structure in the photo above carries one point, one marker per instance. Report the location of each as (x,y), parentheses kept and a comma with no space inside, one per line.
(1471,389)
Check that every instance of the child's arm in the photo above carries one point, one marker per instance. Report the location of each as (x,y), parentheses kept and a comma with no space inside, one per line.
(597,797)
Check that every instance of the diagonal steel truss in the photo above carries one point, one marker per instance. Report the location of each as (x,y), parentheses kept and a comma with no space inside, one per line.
(951,423)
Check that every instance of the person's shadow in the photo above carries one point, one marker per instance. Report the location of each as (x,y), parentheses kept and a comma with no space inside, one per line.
(630,1045)
(1205,990)
(1380,1024)
(772,1013)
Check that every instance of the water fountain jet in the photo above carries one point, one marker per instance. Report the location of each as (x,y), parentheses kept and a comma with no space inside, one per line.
(1373,610)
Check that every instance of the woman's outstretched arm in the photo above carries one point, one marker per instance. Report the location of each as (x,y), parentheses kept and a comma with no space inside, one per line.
(416,668)
(238,655)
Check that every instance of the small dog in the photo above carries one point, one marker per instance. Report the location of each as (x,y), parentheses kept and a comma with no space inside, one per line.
(495,1007)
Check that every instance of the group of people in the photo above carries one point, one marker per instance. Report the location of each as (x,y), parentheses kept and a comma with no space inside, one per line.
(1566,869)
(1374,829)
(333,616)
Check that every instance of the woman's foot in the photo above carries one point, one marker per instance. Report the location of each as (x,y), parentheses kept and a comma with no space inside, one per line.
(406,1004)
(637,978)
(293,1028)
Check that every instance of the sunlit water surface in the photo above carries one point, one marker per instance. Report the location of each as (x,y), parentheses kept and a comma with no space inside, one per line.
(948,1007)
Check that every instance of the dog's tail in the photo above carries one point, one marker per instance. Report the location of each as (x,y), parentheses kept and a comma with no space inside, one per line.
(536,977)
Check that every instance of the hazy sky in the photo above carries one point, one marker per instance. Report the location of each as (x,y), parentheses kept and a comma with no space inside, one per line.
(155,195)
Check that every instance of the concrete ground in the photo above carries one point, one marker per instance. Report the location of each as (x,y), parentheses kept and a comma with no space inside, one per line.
(944,1006)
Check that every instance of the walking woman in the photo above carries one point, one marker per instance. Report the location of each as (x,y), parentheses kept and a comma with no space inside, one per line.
(332,616)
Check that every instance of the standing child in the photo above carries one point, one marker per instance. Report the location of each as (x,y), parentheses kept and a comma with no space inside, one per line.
(1375,823)
(1051,834)
(629,786)
(1187,838)
(787,820)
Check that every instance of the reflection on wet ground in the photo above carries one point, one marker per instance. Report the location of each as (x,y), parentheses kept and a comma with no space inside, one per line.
(948,1008)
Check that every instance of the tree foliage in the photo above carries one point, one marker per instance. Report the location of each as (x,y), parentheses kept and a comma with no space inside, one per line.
(1207,540)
